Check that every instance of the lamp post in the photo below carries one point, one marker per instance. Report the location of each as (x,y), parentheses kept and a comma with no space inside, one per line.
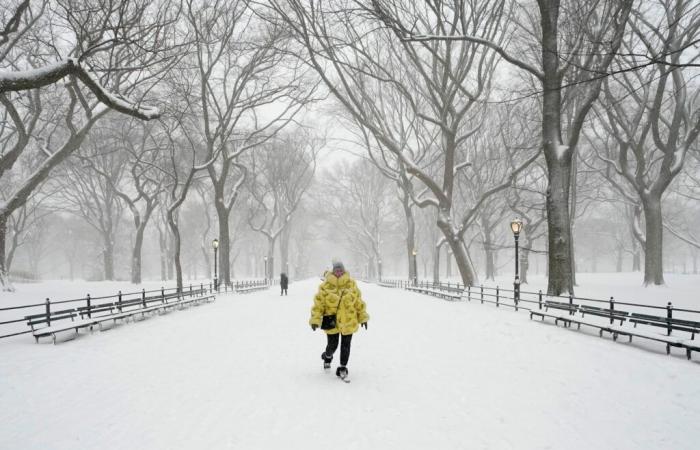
(516,226)
(215,244)
(415,267)
(379,269)
(265,258)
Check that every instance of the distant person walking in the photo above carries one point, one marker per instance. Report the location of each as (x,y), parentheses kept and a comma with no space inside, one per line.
(284,283)
(338,310)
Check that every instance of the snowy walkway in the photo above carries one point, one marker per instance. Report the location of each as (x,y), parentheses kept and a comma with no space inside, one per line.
(245,373)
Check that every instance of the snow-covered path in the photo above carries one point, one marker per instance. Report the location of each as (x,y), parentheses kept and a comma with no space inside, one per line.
(245,373)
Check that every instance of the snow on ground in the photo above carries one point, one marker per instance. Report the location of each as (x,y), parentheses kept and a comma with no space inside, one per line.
(245,373)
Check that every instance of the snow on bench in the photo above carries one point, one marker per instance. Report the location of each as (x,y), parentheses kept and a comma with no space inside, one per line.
(447,295)
(90,322)
(603,317)
(244,290)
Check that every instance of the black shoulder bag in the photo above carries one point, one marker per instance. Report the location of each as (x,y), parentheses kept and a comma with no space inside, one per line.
(329,321)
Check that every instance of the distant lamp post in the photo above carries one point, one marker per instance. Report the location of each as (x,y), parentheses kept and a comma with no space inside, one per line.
(215,244)
(415,267)
(265,258)
(379,269)
(516,226)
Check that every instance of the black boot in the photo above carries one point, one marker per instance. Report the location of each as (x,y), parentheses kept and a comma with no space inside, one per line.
(342,372)
(326,361)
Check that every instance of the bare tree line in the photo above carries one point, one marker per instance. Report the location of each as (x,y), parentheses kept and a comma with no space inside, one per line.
(468,113)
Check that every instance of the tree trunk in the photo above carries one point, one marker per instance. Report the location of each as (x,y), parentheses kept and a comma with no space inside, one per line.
(108,257)
(448,264)
(488,253)
(524,262)
(410,233)
(559,242)
(461,255)
(557,156)
(284,249)
(163,245)
(270,259)
(222,214)
(653,249)
(136,255)
(618,265)
(176,249)
(170,255)
(573,175)
(436,264)
(3,238)
(371,273)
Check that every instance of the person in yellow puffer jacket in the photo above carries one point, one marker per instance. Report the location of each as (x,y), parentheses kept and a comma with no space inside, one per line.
(338,294)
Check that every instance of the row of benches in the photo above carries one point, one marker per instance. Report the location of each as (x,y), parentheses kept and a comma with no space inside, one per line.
(451,294)
(605,320)
(74,319)
(247,289)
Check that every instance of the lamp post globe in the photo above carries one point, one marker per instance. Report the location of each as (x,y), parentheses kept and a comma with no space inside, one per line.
(516,226)
(215,245)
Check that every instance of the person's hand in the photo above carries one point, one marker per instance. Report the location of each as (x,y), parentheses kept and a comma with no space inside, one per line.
(364,324)
(313,327)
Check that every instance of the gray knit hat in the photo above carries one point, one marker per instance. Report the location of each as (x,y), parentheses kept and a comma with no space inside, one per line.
(337,264)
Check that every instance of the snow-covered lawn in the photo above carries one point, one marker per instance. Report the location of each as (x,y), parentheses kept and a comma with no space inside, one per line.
(245,373)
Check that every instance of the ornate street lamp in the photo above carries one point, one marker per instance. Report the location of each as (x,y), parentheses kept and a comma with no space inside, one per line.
(215,244)
(516,226)
(379,269)
(265,258)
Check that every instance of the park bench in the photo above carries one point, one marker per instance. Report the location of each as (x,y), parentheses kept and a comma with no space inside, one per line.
(612,314)
(569,308)
(445,294)
(670,341)
(115,311)
(448,294)
(247,289)
(671,324)
(66,317)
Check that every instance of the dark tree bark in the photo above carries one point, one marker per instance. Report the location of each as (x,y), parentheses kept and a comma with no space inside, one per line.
(653,255)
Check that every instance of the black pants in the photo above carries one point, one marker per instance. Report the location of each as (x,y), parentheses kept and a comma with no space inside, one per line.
(284,291)
(345,342)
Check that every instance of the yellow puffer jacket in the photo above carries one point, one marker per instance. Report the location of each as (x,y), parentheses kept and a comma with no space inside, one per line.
(339,296)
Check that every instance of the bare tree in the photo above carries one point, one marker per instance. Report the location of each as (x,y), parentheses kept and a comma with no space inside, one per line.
(281,172)
(140,188)
(241,68)
(441,82)
(101,29)
(357,205)
(116,47)
(184,156)
(89,187)
(652,114)
(573,43)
